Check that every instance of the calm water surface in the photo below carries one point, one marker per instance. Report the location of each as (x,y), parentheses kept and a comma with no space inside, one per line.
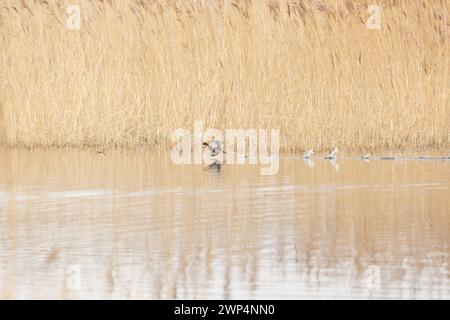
(130,224)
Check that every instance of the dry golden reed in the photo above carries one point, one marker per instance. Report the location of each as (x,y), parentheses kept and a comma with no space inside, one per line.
(137,70)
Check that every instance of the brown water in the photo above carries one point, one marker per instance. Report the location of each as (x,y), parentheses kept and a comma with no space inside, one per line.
(76,224)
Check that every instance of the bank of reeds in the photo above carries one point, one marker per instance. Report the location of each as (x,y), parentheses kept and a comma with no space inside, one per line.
(137,70)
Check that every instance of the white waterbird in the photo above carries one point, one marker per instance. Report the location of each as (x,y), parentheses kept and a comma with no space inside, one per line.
(332,155)
(308,154)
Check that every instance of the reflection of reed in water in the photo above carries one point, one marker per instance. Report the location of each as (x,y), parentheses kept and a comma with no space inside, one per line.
(140,227)
(8,202)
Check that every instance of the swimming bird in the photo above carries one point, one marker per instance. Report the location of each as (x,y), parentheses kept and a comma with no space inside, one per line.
(214,146)
(332,155)
(308,154)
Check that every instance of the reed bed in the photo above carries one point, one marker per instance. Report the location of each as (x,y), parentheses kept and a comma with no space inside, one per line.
(137,70)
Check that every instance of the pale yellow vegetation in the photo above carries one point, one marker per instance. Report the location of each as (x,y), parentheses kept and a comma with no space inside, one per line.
(137,70)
